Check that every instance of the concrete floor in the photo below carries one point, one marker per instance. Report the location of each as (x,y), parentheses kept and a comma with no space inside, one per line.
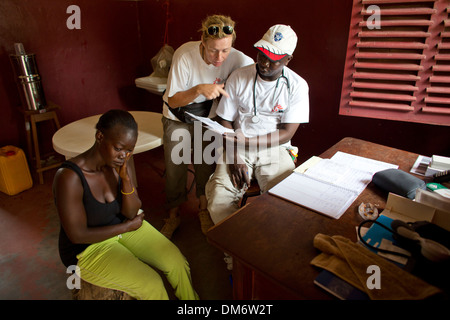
(30,268)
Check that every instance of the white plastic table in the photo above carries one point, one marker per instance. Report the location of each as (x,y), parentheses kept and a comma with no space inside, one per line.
(78,136)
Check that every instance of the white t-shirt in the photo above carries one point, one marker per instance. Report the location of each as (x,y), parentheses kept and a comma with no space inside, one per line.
(285,100)
(188,69)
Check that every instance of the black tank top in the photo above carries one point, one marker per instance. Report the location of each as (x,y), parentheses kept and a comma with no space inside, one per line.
(97,214)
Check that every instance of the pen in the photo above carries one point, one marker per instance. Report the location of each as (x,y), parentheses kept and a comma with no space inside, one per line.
(293,154)
(245,184)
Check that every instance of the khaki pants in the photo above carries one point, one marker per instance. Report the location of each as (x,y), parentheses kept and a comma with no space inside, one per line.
(268,167)
(176,173)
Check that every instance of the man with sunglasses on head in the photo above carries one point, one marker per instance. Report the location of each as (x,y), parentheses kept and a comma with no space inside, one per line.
(195,83)
(266,104)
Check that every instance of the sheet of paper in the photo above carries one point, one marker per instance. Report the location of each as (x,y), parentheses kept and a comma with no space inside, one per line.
(361,163)
(307,164)
(211,124)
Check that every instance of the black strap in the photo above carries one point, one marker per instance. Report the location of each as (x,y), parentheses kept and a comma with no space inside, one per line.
(77,170)
(200,109)
(74,167)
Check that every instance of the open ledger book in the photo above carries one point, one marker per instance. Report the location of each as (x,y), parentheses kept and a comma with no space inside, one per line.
(331,185)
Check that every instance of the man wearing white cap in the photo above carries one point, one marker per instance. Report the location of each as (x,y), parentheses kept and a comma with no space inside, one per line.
(266,104)
(196,79)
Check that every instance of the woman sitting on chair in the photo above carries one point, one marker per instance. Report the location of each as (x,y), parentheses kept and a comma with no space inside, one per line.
(101,230)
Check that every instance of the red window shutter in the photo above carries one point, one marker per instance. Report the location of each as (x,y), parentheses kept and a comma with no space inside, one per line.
(399,67)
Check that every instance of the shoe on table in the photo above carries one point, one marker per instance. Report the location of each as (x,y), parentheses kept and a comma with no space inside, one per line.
(171,224)
(205,220)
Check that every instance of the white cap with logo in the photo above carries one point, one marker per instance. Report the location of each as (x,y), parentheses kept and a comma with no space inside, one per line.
(279,41)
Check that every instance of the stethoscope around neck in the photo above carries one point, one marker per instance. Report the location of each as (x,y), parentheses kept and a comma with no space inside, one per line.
(255,118)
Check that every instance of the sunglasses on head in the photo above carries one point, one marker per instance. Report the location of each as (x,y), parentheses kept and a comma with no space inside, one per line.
(213,30)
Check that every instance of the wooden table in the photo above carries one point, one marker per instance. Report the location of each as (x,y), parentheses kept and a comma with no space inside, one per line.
(79,136)
(271,240)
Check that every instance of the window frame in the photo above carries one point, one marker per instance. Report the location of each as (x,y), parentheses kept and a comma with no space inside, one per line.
(397,71)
